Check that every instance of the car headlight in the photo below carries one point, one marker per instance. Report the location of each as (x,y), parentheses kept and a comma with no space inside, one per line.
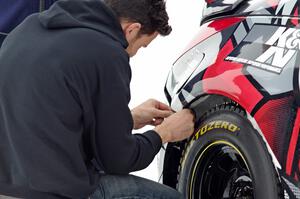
(183,69)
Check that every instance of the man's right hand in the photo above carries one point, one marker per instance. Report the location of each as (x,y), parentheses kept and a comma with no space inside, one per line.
(177,127)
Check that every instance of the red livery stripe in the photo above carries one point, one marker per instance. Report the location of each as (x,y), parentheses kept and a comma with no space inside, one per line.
(293,143)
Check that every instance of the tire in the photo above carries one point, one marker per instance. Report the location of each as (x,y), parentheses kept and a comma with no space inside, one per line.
(227,158)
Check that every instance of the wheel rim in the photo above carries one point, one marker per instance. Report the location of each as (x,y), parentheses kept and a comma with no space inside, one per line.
(220,172)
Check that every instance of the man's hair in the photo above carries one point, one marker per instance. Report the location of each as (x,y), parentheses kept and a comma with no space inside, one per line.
(151,14)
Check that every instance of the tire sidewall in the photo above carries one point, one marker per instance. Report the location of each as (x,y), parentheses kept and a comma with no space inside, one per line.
(245,138)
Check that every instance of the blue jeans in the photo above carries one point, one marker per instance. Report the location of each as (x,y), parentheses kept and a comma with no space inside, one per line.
(132,187)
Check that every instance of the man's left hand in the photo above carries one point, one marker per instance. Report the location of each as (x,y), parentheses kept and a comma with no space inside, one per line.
(151,112)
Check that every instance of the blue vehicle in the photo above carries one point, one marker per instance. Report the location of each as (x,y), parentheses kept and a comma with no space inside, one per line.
(13,12)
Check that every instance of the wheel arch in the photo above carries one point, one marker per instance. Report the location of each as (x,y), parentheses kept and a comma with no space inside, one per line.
(200,105)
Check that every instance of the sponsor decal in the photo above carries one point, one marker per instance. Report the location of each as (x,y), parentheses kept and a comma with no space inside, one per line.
(216,125)
(270,48)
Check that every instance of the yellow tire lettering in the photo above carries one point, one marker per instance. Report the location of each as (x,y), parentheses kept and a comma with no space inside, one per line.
(203,130)
(232,128)
(197,136)
(218,124)
(211,126)
(224,125)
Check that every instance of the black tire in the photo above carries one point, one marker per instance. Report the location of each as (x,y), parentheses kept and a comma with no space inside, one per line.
(227,158)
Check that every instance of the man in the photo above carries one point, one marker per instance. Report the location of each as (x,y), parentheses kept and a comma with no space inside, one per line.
(65,125)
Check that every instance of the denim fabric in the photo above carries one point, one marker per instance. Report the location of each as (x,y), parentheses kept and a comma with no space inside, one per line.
(132,187)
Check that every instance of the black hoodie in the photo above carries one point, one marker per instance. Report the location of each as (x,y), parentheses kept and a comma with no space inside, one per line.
(64,94)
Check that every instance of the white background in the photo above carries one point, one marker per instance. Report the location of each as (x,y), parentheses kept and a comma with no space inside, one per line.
(151,65)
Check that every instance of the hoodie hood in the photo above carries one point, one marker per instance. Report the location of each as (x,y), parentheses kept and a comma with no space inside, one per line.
(92,14)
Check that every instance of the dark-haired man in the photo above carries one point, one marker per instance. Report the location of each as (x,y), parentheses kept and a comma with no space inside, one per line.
(65,125)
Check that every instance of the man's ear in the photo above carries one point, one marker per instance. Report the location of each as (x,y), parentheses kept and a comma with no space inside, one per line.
(131,30)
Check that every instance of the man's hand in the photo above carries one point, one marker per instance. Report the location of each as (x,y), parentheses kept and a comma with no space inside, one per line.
(177,127)
(151,112)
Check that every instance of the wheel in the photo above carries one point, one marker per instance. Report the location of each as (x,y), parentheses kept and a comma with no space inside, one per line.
(227,158)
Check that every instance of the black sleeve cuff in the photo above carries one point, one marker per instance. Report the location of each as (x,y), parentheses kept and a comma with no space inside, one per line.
(155,139)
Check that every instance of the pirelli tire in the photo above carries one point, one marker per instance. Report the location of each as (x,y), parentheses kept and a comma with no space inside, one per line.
(227,158)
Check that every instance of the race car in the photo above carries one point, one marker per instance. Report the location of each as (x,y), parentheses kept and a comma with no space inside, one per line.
(240,76)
